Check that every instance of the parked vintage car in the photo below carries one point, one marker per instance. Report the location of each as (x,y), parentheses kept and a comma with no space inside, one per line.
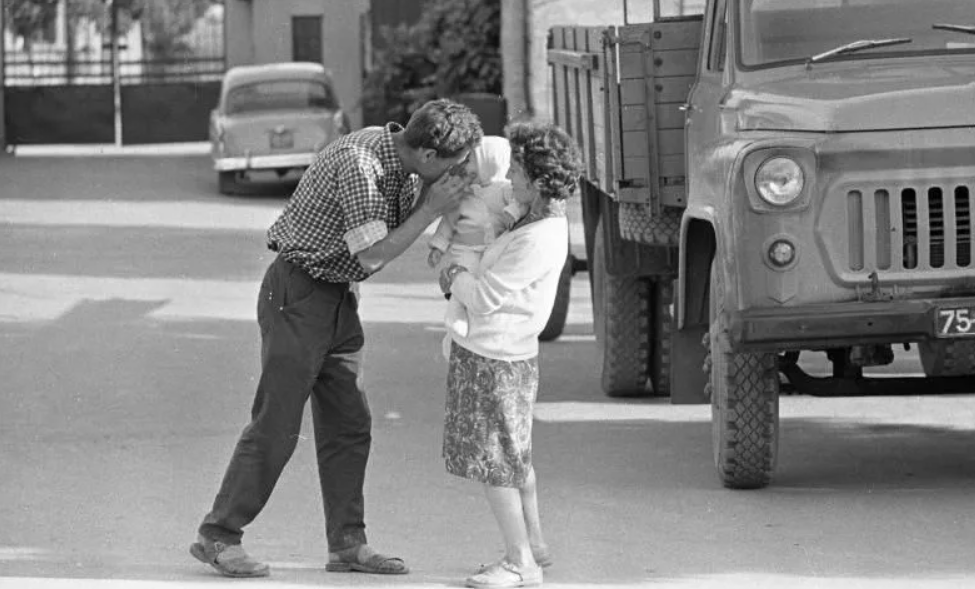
(272,118)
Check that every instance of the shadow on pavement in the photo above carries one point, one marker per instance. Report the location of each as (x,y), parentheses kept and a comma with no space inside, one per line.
(117,428)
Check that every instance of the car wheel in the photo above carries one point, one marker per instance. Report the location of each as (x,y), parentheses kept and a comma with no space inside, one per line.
(228,183)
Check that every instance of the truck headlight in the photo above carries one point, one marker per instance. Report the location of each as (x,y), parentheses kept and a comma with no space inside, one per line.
(779,180)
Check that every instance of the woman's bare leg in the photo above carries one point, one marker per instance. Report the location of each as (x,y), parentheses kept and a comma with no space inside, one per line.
(533,522)
(509,513)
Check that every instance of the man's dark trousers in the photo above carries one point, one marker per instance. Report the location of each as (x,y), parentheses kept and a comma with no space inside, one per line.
(311,344)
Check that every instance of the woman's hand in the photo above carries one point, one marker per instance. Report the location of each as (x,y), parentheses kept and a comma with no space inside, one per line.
(447,276)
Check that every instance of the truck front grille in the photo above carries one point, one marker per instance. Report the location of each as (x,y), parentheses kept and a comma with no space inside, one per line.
(910,228)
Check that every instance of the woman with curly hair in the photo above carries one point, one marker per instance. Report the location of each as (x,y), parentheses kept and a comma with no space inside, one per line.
(492,378)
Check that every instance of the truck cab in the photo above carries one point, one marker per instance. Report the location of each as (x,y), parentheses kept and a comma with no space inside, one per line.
(817,196)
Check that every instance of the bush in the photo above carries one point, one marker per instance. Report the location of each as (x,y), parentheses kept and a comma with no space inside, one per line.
(452,49)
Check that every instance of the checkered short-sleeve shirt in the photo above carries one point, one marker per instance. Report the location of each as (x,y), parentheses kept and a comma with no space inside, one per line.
(349,198)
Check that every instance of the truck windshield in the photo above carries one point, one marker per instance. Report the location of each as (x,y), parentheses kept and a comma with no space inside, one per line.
(779,32)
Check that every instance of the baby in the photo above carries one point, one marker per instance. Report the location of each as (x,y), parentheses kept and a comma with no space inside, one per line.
(486,211)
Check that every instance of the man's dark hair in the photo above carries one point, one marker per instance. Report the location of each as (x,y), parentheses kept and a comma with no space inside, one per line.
(445,126)
(550,157)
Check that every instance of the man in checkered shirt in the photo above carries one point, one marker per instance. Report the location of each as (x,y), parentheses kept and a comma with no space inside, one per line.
(355,209)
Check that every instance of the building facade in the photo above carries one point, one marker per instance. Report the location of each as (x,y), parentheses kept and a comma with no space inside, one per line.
(332,32)
(41,106)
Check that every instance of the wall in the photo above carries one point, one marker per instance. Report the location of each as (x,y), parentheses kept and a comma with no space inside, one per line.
(549,13)
(271,30)
(238,29)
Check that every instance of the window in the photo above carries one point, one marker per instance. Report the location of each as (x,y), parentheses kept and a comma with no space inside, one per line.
(719,28)
(306,38)
(784,31)
(280,95)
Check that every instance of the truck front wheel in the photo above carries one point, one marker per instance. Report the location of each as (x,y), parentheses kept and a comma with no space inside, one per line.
(744,389)
(621,318)
(947,358)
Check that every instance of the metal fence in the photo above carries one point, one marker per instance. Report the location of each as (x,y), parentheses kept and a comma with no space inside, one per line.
(76,51)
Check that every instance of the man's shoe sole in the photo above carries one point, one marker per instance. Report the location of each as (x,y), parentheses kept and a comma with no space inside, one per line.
(199,553)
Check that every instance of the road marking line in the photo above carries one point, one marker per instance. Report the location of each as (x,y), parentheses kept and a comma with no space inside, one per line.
(226,216)
(620,410)
(167,214)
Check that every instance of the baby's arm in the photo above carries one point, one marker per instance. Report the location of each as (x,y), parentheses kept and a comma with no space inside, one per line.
(440,241)
(512,212)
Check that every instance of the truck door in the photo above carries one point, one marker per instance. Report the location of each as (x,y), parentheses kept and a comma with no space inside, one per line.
(702,110)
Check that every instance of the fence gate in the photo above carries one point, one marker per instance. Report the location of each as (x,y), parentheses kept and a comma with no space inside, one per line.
(67,82)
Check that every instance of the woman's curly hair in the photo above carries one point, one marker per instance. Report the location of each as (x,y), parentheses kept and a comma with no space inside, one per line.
(550,157)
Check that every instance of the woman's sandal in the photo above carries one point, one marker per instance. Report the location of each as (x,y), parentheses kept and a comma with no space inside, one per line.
(543,558)
(503,575)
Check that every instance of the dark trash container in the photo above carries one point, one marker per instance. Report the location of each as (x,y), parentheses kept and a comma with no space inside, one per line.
(491,108)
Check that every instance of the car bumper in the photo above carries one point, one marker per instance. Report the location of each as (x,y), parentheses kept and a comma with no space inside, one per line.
(839,325)
(264,162)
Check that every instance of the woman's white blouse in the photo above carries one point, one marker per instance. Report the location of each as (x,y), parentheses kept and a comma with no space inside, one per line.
(510,297)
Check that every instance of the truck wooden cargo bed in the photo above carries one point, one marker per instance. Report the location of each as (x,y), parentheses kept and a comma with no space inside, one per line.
(620,92)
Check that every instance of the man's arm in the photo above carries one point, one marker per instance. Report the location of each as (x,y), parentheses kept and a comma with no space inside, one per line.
(435,200)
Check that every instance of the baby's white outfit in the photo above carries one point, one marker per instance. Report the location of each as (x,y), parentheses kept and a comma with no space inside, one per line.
(464,234)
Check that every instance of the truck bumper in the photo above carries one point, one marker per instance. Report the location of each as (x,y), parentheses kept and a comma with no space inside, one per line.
(264,162)
(839,324)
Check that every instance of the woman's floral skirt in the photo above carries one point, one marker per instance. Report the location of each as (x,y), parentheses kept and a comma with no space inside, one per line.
(488,418)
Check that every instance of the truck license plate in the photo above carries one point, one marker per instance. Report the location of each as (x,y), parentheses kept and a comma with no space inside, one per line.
(283,140)
(955,321)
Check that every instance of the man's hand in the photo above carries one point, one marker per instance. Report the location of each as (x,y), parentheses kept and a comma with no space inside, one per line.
(433,258)
(447,276)
(444,194)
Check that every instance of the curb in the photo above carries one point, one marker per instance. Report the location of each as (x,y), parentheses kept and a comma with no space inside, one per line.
(100,150)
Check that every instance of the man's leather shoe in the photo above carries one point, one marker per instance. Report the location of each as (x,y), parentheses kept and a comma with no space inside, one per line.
(230,559)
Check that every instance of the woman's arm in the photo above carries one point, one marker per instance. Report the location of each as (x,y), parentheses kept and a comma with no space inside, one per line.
(525,260)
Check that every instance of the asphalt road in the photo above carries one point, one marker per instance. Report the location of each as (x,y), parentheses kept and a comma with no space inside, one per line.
(128,356)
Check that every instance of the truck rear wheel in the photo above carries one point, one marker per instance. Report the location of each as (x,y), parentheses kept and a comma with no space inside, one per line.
(947,358)
(560,310)
(621,318)
(744,389)
(662,314)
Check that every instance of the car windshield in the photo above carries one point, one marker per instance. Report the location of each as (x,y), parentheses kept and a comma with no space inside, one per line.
(280,95)
(775,32)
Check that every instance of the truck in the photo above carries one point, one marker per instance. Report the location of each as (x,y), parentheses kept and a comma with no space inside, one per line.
(766,178)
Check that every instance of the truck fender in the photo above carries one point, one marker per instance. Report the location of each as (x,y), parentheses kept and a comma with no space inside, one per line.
(698,247)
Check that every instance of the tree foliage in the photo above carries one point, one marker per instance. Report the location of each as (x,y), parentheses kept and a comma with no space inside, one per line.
(164,22)
(25,18)
(452,49)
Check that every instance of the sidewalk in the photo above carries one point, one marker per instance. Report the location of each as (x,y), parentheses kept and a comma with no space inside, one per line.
(160,149)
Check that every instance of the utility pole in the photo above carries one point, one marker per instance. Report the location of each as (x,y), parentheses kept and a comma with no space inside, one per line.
(116,70)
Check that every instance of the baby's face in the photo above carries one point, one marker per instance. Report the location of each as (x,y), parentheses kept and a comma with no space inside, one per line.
(466,170)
